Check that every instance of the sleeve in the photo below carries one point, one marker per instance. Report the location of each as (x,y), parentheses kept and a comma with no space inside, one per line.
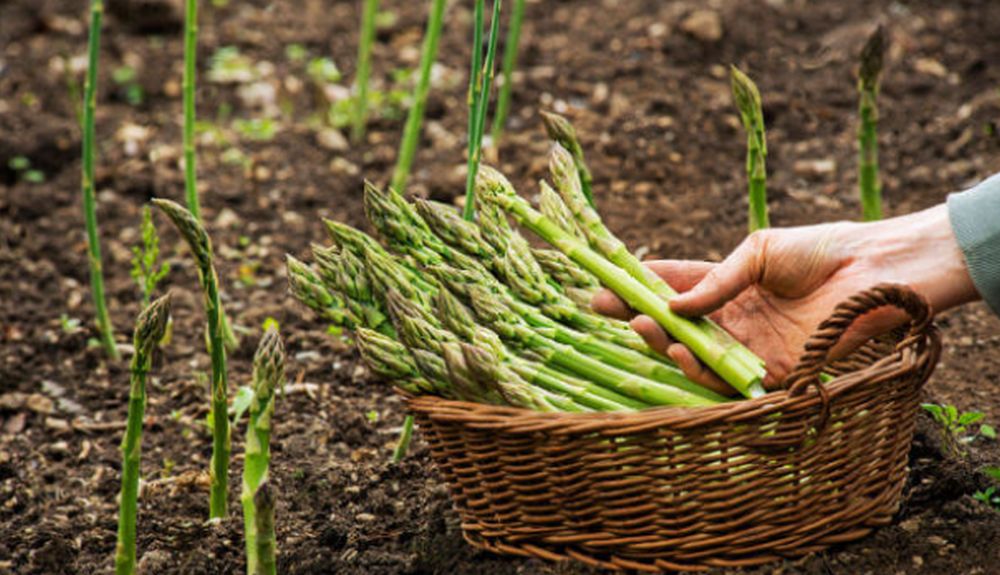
(975,220)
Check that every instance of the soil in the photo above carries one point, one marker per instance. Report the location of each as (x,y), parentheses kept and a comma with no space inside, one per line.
(649,96)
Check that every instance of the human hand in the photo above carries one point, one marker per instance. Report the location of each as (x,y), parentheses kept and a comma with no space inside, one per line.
(776,287)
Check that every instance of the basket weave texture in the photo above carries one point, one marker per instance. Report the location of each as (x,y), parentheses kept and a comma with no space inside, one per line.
(737,484)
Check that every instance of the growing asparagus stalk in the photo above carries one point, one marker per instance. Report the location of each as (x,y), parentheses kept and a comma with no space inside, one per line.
(149,330)
(188,85)
(868,87)
(201,249)
(561,131)
(732,362)
(268,374)
(415,117)
(104,327)
(267,542)
(363,73)
(509,61)
(479,99)
(747,99)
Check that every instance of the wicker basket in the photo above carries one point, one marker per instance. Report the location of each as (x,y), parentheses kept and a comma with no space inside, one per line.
(739,484)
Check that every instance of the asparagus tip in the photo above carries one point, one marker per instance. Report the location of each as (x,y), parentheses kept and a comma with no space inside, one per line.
(872,56)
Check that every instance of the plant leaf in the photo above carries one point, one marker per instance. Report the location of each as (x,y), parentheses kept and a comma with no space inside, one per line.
(970,417)
(989,432)
(241,403)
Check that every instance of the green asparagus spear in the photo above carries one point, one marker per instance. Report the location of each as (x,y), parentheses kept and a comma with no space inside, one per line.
(747,99)
(562,132)
(267,542)
(868,87)
(149,330)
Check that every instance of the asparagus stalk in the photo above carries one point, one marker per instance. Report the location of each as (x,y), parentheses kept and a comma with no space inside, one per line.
(201,249)
(868,87)
(415,117)
(552,206)
(457,318)
(267,542)
(307,287)
(391,360)
(713,346)
(357,242)
(565,271)
(602,240)
(344,273)
(149,330)
(747,99)
(562,132)
(104,327)
(188,85)
(268,374)
(405,437)
(363,74)
(479,100)
(509,61)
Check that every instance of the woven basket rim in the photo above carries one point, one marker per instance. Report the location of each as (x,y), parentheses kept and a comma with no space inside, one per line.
(499,418)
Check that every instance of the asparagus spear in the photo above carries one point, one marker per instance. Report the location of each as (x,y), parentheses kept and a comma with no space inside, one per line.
(392,361)
(479,98)
(552,206)
(344,273)
(201,249)
(468,286)
(104,327)
(365,42)
(267,542)
(635,284)
(868,87)
(747,99)
(149,330)
(562,132)
(357,242)
(308,288)
(457,318)
(268,374)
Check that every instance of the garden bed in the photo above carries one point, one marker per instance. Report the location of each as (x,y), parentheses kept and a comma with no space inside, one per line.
(647,88)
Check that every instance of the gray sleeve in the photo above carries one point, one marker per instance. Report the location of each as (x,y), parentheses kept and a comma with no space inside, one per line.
(975,219)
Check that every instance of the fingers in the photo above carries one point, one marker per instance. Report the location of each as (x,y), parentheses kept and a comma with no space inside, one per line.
(658,340)
(681,275)
(725,281)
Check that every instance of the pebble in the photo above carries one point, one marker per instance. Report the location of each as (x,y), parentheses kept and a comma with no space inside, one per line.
(344,166)
(815,168)
(704,25)
(39,403)
(365,517)
(332,139)
(56,424)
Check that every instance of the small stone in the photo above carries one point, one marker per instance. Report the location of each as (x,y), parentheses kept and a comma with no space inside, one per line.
(705,25)
(56,424)
(39,403)
(937,540)
(910,525)
(227,218)
(332,140)
(657,30)
(918,561)
(814,168)
(365,517)
(340,165)
(262,173)
(931,67)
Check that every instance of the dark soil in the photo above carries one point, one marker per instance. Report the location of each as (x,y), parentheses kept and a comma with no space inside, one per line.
(651,103)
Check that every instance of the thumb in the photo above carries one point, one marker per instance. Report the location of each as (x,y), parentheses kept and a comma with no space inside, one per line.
(725,281)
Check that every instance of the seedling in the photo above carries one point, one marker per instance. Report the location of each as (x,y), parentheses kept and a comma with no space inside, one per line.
(256,129)
(268,375)
(104,327)
(22,167)
(323,71)
(955,426)
(149,330)
(868,87)
(509,61)
(147,270)
(201,249)
(363,74)
(990,496)
(126,79)
(480,79)
(411,134)
(747,99)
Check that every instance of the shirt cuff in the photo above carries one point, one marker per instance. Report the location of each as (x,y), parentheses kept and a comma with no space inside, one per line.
(975,220)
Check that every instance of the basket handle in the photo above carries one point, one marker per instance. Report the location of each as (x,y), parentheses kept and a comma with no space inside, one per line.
(828,334)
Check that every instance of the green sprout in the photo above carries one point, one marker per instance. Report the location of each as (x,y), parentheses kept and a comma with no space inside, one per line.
(955,426)
(256,129)
(147,270)
(126,78)
(323,71)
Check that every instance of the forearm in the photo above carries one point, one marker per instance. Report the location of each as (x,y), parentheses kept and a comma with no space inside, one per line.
(920,250)
(975,220)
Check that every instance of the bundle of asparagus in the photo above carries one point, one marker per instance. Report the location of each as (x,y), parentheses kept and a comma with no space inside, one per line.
(469,310)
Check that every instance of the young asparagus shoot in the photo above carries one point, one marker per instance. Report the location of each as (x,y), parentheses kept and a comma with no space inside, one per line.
(479,99)
(267,541)
(363,74)
(147,269)
(415,117)
(405,436)
(724,355)
(268,375)
(149,330)
(201,249)
(747,99)
(188,85)
(868,86)
(104,327)
(562,132)
(509,61)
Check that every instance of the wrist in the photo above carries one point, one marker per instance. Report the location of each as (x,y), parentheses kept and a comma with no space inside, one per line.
(921,251)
